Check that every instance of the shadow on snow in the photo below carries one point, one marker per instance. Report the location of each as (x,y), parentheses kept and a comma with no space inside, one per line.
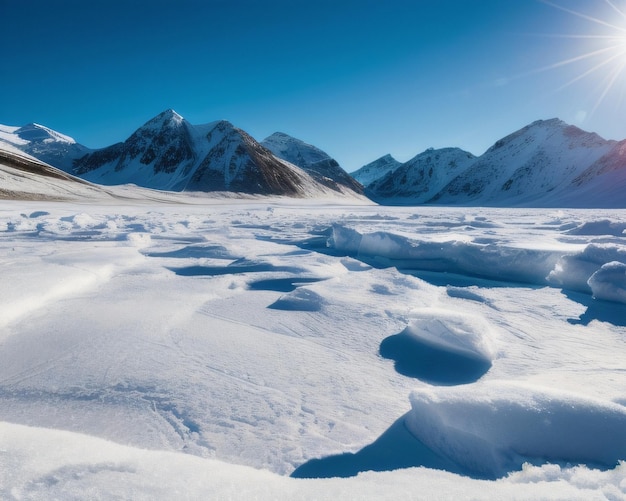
(414,358)
(396,448)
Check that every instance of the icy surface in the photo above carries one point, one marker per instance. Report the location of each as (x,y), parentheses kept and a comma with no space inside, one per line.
(212,348)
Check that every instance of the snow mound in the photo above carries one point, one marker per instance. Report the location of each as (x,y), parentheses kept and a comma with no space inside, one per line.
(601,227)
(43,464)
(463,334)
(301,299)
(442,347)
(496,427)
(609,282)
(139,240)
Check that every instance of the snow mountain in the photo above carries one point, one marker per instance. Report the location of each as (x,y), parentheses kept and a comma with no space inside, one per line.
(169,153)
(545,164)
(317,163)
(45,144)
(377,169)
(422,177)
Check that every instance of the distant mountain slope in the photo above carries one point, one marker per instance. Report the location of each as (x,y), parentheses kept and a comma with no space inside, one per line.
(317,163)
(44,144)
(421,178)
(23,177)
(375,170)
(536,163)
(545,164)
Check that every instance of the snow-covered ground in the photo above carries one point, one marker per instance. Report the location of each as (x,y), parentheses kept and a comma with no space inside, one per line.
(213,351)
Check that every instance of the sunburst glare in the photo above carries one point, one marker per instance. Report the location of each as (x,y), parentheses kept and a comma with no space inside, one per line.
(601,53)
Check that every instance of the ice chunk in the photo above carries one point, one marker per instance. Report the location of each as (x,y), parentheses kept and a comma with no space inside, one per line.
(609,282)
(573,271)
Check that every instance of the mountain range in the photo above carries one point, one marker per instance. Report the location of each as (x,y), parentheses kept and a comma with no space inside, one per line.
(545,164)
(169,153)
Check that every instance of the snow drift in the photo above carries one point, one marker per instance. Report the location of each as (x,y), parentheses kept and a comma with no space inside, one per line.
(493,260)
(492,428)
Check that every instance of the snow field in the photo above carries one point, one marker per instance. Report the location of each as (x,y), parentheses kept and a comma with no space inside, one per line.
(265,334)
(43,464)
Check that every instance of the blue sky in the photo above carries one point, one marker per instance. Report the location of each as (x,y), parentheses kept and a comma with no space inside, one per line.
(357,78)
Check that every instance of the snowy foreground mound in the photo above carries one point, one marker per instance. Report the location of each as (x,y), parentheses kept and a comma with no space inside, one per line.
(265,350)
(494,428)
(41,464)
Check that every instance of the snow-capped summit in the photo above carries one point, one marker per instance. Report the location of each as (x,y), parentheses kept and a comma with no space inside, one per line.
(167,118)
(294,150)
(377,169)
(45,144)
(317,163)
(422,177)
(40,134)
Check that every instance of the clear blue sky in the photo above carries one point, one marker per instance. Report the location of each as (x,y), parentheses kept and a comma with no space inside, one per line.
(358,78)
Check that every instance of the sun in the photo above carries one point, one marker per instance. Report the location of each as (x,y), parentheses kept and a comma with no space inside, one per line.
(603,49)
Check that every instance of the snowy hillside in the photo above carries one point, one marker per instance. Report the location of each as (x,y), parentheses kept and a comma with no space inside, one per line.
(44,144)
(24,177)
(318,164)
(184,351)
(377,169)
(421,178)
(547,163)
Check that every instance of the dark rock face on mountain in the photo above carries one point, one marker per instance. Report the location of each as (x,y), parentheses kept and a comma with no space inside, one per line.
(248,167)
(164,143)
(318,164)
(170,153)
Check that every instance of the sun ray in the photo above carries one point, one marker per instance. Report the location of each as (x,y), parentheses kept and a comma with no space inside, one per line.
(583,37)
(611,81)
(585,16)
(575,59)
(605,57)
(615,8)
(593,69)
